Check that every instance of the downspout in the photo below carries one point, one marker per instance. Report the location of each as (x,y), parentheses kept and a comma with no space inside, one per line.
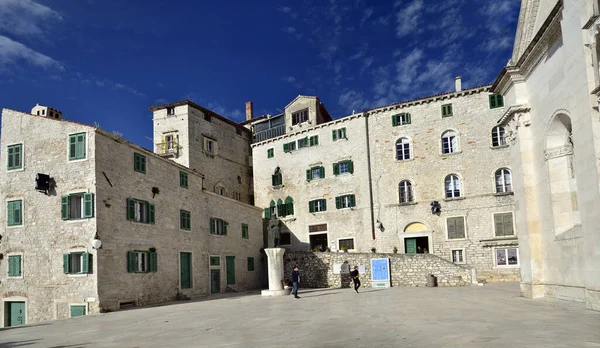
(369,174)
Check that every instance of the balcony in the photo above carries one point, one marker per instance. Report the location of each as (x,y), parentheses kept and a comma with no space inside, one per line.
(269,133)
(169,149)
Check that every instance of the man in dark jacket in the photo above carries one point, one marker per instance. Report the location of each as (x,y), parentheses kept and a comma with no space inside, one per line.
(354,274)
(295,281)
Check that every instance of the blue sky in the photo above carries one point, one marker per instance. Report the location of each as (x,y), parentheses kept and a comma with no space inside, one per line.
(107,61)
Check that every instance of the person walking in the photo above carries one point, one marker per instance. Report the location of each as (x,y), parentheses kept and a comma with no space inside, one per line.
(295,281)
(354,274)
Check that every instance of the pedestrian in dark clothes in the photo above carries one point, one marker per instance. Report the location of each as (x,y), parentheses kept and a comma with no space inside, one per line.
(354,274)
(295,281)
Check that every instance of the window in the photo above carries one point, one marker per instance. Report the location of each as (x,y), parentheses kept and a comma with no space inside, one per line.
(15,213)
(276,178)
(77,206)
(250,264)
(185,220)
(210,146)
(271,210)
(317,228)
(280,208)
(503,181)
(220,189)
(338,134)
(215,260)
(503,225)
(315,173)
(346,201)
(507,257)
(76,146)
(343,167)
(401,119)
(302,143)
(446,110)
(458,256)
(405,192)
(402,149)
(346,244)
(140,211)
(76,263)
(183,179)
(449,142)
(169,145)
(245,231)
(285,239)
(15,156)
(456,227)
(498,136)
(452,184)
(14,266)
(299,117)
(289,147)
(496,101)
(317,205)
(270,153)
(170,111)
(218,226)
(139,163)
(289,206)
(77,310)
(142,261)
(314,140)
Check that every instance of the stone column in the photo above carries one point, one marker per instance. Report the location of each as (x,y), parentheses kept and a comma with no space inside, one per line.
(275,269)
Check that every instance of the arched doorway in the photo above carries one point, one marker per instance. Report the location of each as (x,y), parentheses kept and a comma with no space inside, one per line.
(416,238)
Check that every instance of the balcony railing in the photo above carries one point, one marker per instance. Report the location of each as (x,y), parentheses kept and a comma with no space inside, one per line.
(170,149)
(269,133)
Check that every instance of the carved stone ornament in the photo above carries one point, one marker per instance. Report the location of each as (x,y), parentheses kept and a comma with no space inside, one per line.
(558,152)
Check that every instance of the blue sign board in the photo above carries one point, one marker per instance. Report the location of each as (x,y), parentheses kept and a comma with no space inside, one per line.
(380,270)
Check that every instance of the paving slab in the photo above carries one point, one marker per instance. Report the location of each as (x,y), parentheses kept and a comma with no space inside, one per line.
(484,317)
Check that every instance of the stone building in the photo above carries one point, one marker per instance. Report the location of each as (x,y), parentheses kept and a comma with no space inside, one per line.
(427,175)
(164,234)
(551,87)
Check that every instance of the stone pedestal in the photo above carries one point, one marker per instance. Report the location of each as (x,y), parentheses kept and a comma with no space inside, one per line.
(275,269)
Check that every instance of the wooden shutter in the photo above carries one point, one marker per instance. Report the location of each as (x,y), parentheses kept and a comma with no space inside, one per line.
(290,208)
(352,201)
(11,161)
(324,204)
(508,225)
(350,167)
(451,228)
(492,101)
(72,147)
(394,121)
(308,175)
(499,100)
(11,214)
(460,227)
(130,209)
(311,206)
(336,169)
(88,201)
(153,261)
(343,135)
(212,224)
(286,147)
(65,208)
(131,264)
(273,180)
(321,172)
(225,223)
(230,265)
(267,214)
(81,146)
(66,263)
(498,224)
(334,134)
(85,257)
(280,208)
(11,266)
(151,210)
(338,202)
(316,142)
(408,118)
(250,264)
(17,212)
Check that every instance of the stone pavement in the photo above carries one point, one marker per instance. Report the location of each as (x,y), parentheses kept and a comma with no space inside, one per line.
(489,316)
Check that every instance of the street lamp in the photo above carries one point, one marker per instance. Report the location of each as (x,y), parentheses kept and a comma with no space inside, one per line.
(96,242)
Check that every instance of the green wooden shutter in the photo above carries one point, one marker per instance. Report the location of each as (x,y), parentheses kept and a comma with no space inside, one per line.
(267,213)
(394,121)
(450,109)
(499,100)
(324,201)
(290,208)
(14,265)
(72,147)
(230,265)
(286,147)
(274,180)
(66,263)
(250,264)
(153,261)
(212,225)
(321,172)
(334,135)
(336,169)
(311,206)
(131,264)
(225,223)
(280,210)
(352,201)
(451,225)
(408,118)
(77,311)
(492,98)
(343,135)
(130,209)
(316,140)
(18,212)
(350,167)
(88,201)
(11,214)
(498,224)
(308,175)
(338,202)
(80,153)
(151,210)
(85,257)
(65,208)
(460,228)
(11,161)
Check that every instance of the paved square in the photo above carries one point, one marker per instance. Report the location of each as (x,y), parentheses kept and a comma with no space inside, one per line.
(489,316)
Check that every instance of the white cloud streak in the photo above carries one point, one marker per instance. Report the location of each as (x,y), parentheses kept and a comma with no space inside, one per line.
(12,53)
(26,18)
(408,18)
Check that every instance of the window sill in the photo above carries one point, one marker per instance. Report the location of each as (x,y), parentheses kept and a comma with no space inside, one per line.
(14,226)
(460,263)
(342,174)
(499,147)
(406,204)
(14,278)
(453,199)
(21,169)
(138,171)
(75,160)
(277,187)
(507,267)
(218,235)
(500,194)
(77,275)
(456,240)
(210,154)
(405,160)
(451,153)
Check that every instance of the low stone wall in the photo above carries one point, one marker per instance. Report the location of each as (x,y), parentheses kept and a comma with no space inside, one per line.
(316,269)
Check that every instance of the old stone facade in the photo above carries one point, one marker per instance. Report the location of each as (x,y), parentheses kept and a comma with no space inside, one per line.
(551,86)
(164,236)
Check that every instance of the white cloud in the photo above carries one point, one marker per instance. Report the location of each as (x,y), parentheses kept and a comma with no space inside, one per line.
(408,18)
(289,30)
(289,79)
(285,9)
(219,109)
(13,53)
(362,50)
(366,15)
(26,17)
(352,100)
(495,45)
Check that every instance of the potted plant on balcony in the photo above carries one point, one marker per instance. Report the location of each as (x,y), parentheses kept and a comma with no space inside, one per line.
(395,250)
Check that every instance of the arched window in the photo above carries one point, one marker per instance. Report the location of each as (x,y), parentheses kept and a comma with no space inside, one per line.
(449,142)
(405,191)
(276,178)
(503,181)
(289,206)
(402,149)
(272,209)
(280,208)
(498,137)
(452,184)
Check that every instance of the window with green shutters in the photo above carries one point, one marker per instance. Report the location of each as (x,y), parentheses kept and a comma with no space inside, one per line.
(289,206)
(302,143)
(15,157)
(503,225)
(139,163)
(314,140)
(317,205)
(315,173)
(496,101)
(250,264)
(14,265)
(270,153)
(245,231)
(185,220)
(140,211)
(15,213)
(77,311)
(343,167)
(215,261)
(400,119)
(142,261)
(276,178)
(76,263)
(446,110)
(77,206)
(289,147)
(346,201)
(456,227)
(183,179)
(218,226)
(230,267)
(77,146)
(338,134)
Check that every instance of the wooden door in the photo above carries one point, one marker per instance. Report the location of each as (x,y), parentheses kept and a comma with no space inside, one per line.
(215,281)
(16,313)
(185,266)
(411,245)
(230,264)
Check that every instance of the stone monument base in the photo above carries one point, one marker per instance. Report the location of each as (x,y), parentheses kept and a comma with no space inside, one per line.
(275,292)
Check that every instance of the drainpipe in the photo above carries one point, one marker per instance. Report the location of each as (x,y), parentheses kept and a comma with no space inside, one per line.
(366,116)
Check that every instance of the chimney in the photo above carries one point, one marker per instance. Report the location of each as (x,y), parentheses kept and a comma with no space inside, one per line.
(458,83)
(249,112)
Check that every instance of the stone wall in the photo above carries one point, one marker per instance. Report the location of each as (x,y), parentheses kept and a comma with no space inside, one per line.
(316,269)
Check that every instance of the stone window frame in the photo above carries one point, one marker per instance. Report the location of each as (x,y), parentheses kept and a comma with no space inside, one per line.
(82,252)
(14,199)
(140,163)
(85,147)
(214,224)
(298,116)
(170,111)
(496,101)
(466,236)
(337,243)
(322,204)
(22,152)
(408,142)
(22,264)
(504,184)
(209,143)
(514,226)
(87,200)
(441,142)
(401,119)
(210,265)
(409,192)
(339,134)
(461,187)
(271,152)
(463,255)
(185,220)
(495,259)
(501,136)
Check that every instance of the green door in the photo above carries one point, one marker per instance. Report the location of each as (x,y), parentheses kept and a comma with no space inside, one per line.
(185,265)
(230,262)
(215,281)
(16,312)
(77,311)
(411,245)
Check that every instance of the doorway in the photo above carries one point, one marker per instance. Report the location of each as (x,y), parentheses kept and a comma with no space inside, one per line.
(185,267)
(416,245)
(215,281)
(318,241)
(15,313)
(230,266)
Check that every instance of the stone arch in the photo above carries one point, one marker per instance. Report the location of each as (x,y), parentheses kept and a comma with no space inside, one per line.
(416,227)
(416,237)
